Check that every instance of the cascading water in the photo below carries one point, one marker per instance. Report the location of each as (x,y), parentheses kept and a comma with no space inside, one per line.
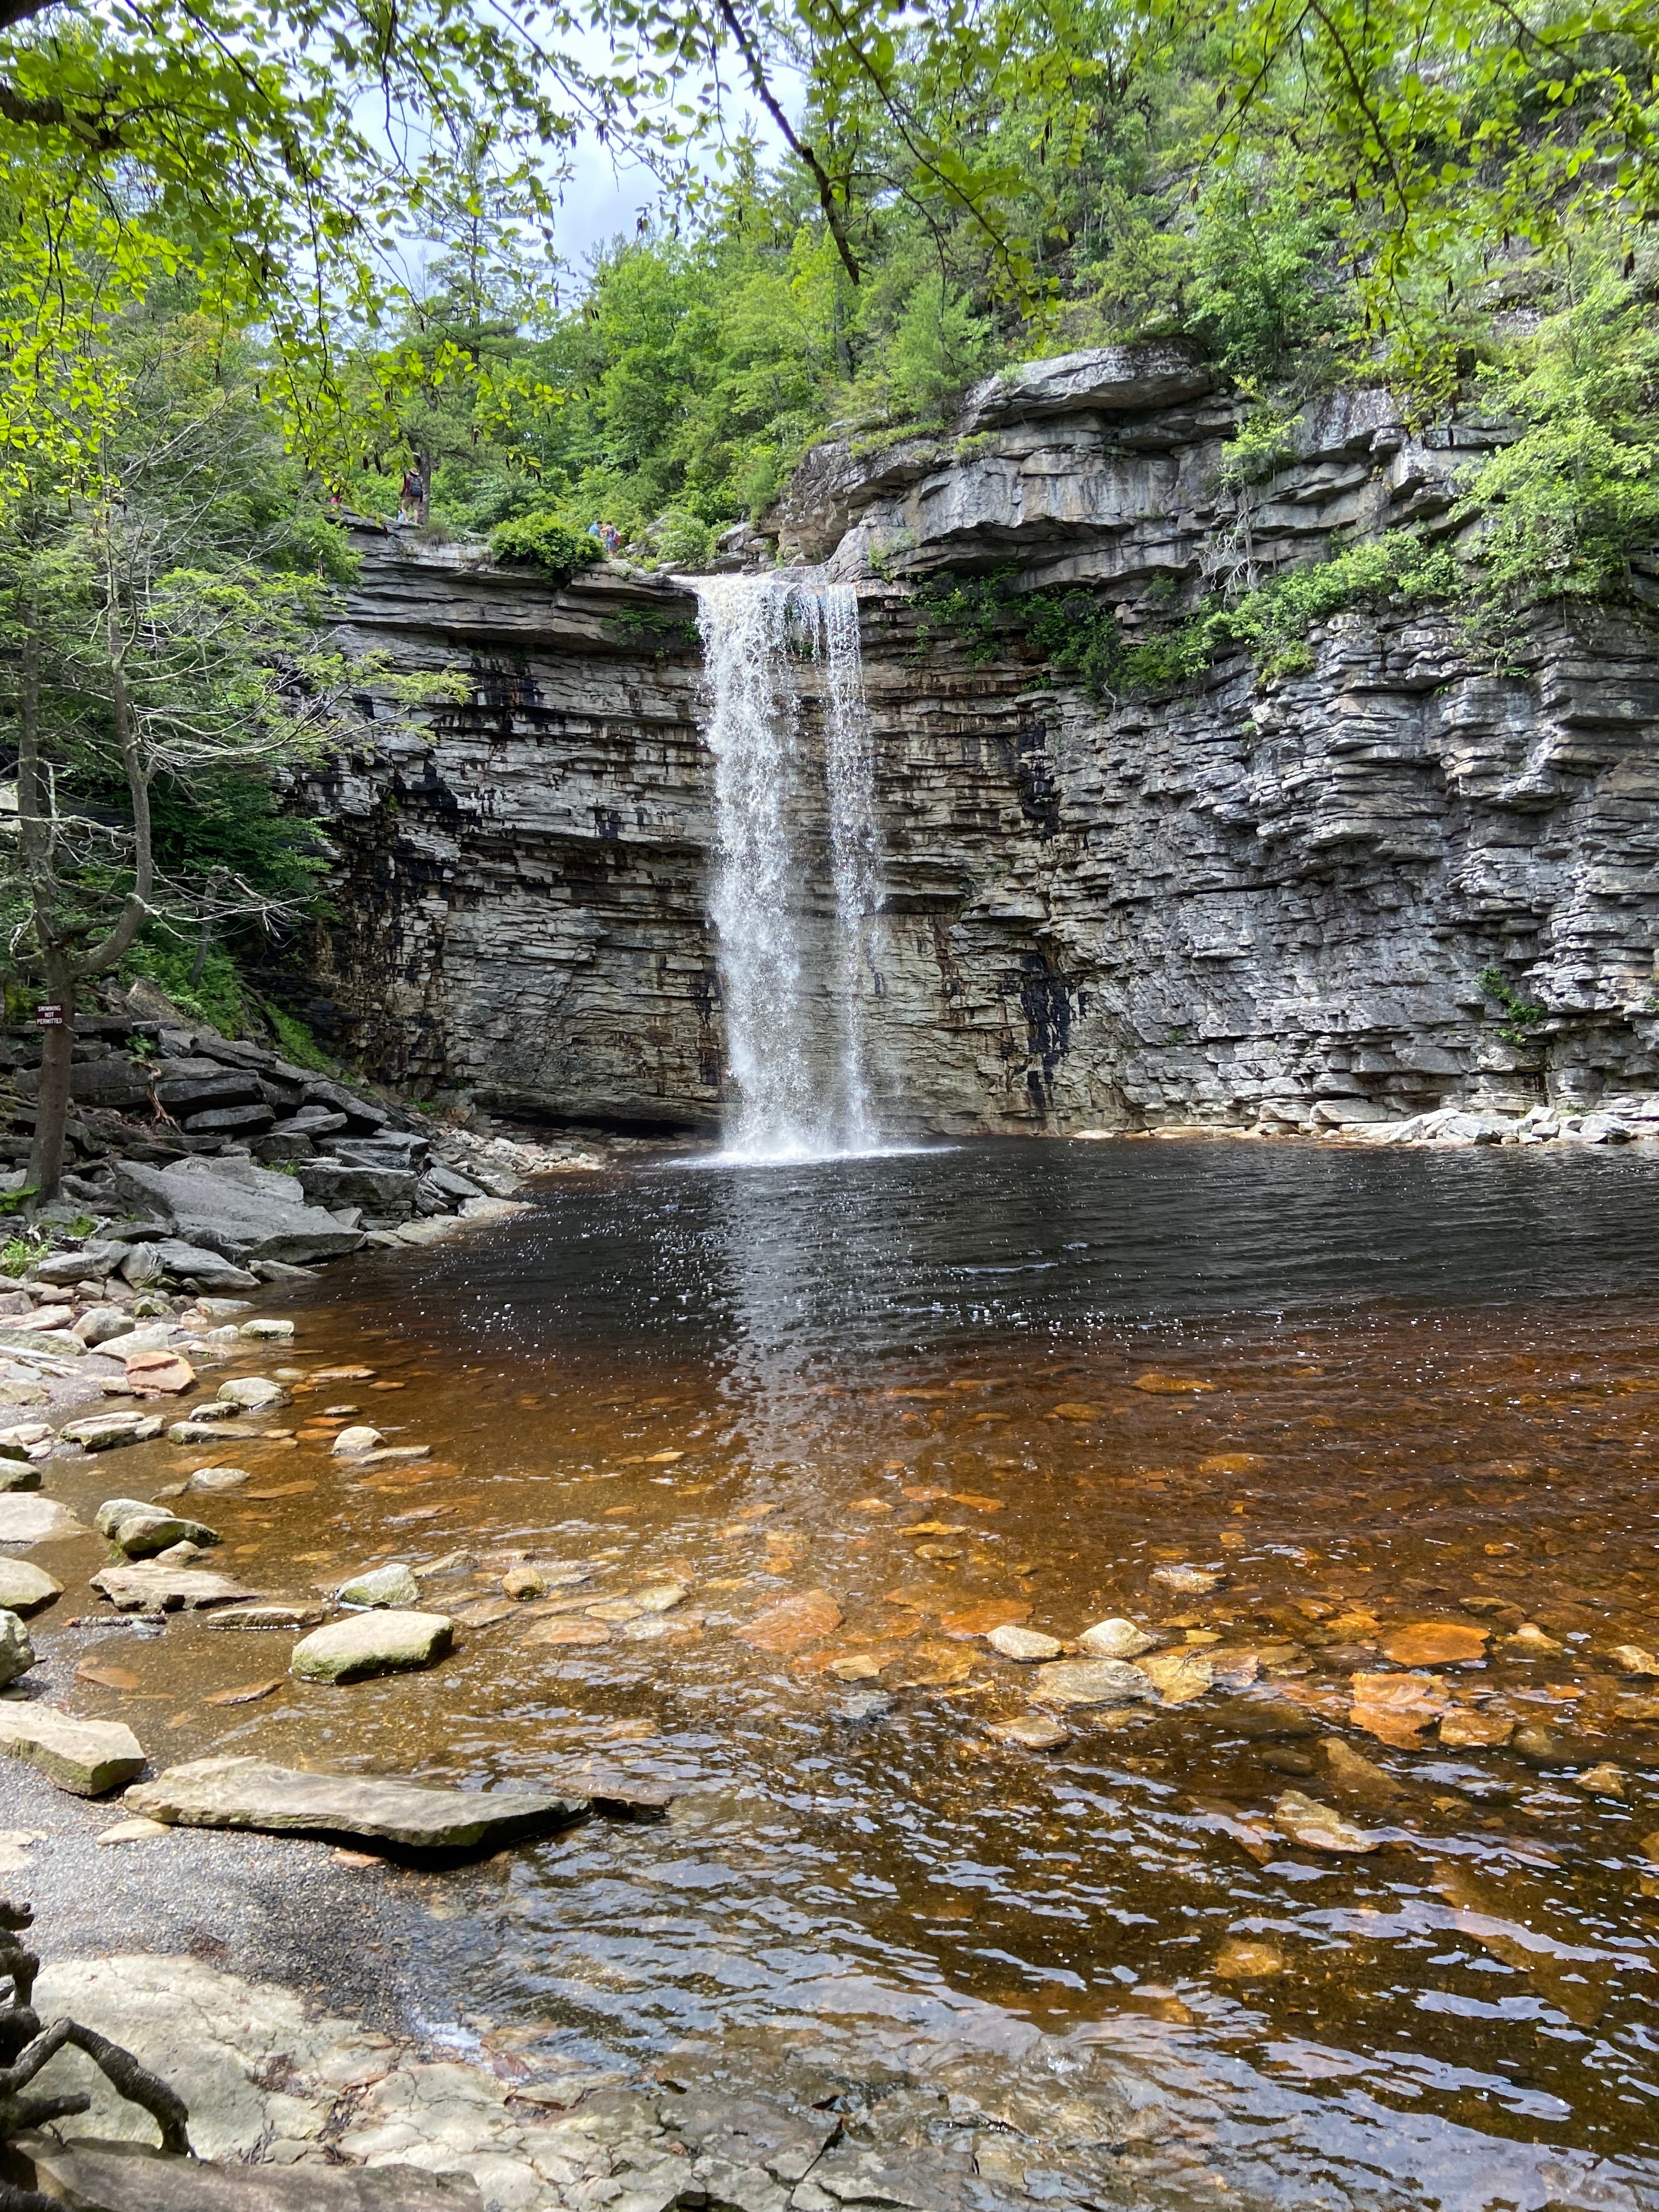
(779,978)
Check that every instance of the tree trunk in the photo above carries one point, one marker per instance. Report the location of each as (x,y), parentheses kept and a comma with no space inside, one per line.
(52,1103)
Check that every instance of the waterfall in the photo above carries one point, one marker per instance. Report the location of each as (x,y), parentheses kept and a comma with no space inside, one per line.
(792,977)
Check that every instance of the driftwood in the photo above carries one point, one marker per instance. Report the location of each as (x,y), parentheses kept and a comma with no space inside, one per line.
(26,2047)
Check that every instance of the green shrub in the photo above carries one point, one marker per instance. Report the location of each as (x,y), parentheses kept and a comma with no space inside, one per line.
(218,997)
(298,1044)
(1521,1016)
(684,540)
(1078,635)
(542,541)
(1567,503)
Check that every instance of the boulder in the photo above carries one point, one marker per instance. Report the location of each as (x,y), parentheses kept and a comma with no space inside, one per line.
(387,1191)
(1116,380)
(140,1530)
(187,1087)
(252,1793)
(158,1372)
(266,1328)
(154,1588)
(237,1210)
(85,1757)
(108,1431)
(359,1439)
(126,2176)
(103,1324)
(25,1587)
(362,1113)
(311,1122)
(16,1652)
(231,1121)
(1092,1682)
(250,1393)
(27,1520)
(208,1269)
(91,1263)
(392,1586)
(376,1643)
(113,1081)
(23,1441)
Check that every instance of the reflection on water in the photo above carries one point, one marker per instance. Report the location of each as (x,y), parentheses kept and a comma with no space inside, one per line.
(1365,1396)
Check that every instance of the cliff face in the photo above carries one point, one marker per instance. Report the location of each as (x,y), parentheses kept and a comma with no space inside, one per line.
(1237,905)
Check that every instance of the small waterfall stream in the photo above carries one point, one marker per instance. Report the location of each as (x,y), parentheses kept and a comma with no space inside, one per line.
(791,976)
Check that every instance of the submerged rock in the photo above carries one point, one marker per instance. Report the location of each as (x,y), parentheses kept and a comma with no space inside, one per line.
(252,1793)
(377,1643)
(1092,1682)
(1321,1827)
(1032,1732)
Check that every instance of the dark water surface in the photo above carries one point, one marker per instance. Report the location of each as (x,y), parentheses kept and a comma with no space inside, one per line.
(1368,1392)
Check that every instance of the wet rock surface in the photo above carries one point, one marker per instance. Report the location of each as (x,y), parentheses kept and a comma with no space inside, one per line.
(252,1793)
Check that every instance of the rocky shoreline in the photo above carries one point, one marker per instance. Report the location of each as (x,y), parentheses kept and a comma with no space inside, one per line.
(1619,1120)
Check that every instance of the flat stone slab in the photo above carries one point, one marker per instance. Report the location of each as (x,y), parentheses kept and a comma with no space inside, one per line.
(384,1641)
(274,1612)
(108,1431)
(251,1793)
(237,1210)
(85,1757)
(144,1588)
(130,2177)
(26,1518)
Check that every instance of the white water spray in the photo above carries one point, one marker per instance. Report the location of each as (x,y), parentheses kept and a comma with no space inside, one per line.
(791,976)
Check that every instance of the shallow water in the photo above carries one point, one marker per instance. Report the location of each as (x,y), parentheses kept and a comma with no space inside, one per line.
(1366,1391)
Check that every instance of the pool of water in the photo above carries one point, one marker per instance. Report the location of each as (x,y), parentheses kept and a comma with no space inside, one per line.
(1365,1393)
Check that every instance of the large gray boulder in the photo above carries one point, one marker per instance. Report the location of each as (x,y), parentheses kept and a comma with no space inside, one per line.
(382,1190)
(1110,379)
(252,1793)
(237,1210)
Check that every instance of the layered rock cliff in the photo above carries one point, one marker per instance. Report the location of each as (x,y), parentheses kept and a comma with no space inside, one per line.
(1234,903)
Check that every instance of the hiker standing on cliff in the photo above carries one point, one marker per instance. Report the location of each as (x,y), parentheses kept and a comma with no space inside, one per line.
(410,497)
